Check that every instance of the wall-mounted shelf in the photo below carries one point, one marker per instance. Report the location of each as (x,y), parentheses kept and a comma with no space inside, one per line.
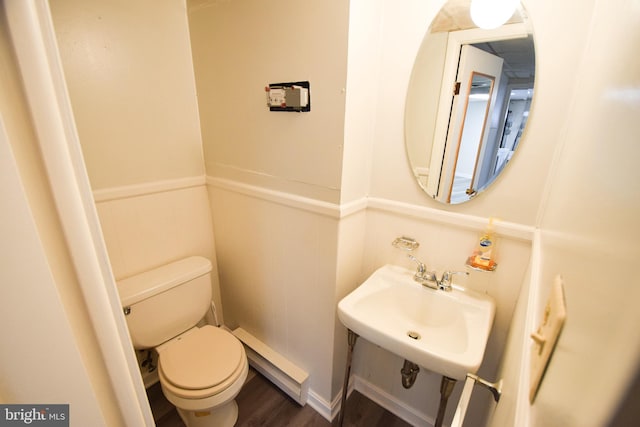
(490,267)
(405,243)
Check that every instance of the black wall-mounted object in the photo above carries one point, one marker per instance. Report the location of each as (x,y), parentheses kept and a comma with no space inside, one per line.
(289,96)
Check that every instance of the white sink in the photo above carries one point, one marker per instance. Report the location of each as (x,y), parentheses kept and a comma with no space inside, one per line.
(449,328)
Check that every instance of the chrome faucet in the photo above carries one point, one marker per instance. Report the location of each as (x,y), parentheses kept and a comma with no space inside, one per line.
(430,279)
(422,276)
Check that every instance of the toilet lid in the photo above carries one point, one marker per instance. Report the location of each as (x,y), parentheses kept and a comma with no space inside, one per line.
(202,359)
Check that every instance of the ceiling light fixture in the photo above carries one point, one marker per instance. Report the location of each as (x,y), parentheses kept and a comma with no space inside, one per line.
(489,14)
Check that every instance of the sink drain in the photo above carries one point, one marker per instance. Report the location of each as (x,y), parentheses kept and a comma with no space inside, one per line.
(413,335)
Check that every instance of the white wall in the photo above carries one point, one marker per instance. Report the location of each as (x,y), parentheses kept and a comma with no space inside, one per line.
(590,229)
(517,193)
(426,77)
(442,246)
(578,228)
(363,64)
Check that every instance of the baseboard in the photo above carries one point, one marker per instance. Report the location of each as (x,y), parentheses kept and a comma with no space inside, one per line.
(330,410)
(280,371)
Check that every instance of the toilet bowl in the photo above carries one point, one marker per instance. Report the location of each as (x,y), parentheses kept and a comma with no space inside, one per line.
(201,372)
(201,369)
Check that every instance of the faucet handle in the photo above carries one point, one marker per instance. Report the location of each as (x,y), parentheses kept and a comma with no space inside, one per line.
(421,267)
(447,276)
(427,278)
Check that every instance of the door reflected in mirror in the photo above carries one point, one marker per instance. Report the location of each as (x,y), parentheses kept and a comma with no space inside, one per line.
(472,133)
(468,102)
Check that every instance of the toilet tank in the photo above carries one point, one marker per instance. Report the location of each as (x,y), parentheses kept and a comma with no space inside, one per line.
(162,303)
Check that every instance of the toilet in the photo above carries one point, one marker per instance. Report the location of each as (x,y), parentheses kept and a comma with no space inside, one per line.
(201,368)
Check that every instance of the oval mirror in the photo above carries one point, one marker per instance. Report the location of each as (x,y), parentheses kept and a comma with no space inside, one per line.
(468,102)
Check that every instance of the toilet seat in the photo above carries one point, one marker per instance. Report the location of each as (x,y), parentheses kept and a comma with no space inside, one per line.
(201,363)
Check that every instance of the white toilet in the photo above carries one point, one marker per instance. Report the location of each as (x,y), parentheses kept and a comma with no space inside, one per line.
(201,369)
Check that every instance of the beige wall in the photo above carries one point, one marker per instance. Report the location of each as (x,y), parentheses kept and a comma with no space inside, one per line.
(239,47)
(278,274)
(130,76)
(40,342)
(257,251)
(141,232)
(46,329)
(517,197)
(139,125)
(277,262)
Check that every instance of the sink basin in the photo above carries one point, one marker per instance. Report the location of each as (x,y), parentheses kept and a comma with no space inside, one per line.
(443,331)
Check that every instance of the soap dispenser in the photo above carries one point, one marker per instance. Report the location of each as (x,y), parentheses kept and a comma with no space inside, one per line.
(483,257)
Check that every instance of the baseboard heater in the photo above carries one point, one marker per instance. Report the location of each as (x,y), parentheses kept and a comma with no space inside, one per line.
(283,373)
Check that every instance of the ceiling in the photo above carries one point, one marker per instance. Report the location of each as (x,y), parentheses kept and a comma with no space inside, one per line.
(518,54)
(454,16)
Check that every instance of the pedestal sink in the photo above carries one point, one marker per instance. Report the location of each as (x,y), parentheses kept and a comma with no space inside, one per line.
(443,331)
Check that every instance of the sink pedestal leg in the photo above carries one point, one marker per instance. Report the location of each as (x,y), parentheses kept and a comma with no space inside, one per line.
(446,387)
(352,337)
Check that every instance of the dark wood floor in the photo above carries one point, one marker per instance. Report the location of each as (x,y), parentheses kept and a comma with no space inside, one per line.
(261,403)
